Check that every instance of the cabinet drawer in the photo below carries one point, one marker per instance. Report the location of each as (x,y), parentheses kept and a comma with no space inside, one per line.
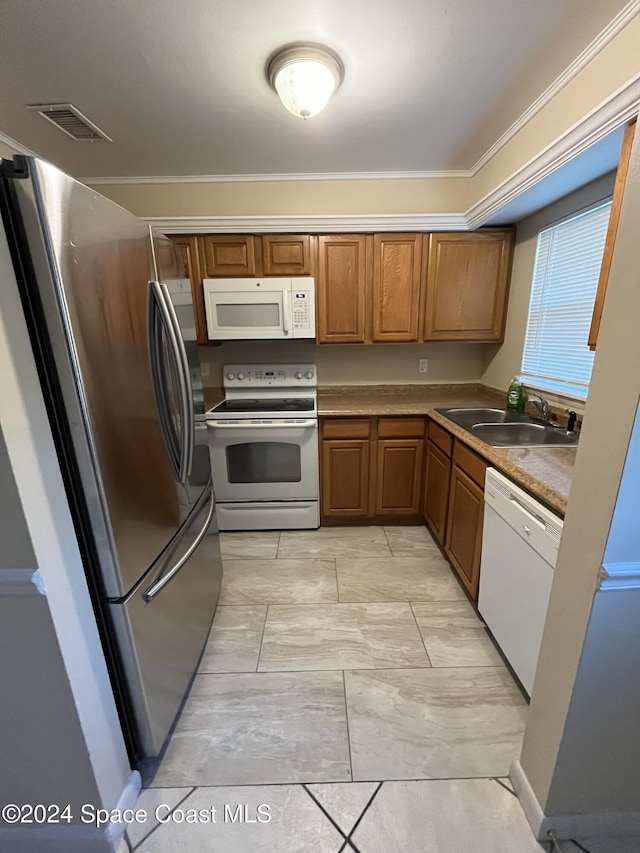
(401,428)
(346,428)
(473,465)
(440,437)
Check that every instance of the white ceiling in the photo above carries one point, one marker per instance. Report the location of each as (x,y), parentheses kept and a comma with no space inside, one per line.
(180,87)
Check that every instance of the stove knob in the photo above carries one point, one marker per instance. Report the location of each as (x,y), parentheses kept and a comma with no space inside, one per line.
(298,374)
(241,376)
(309,374)
(231,376)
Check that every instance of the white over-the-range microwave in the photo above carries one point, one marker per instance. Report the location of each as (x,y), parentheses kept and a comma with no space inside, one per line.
(260,308)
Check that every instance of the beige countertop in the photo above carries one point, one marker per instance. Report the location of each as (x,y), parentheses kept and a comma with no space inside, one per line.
(544,472)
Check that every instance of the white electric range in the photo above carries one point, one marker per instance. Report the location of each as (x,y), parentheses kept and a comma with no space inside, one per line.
(264,448)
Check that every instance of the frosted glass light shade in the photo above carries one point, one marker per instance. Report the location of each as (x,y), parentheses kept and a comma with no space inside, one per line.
(305,78)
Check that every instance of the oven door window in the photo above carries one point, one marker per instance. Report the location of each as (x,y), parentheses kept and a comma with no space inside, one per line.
(264,462)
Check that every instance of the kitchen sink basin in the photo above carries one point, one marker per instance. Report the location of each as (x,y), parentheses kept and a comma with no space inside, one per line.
(501,428)
(523,435)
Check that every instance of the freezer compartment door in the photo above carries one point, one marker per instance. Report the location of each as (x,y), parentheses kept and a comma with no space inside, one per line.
(162,628)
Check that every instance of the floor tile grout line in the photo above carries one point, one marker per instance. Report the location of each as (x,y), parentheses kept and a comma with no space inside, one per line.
(506,787)
(158,825)
(264,628)
(346,714)
(335,567)
(579,845)
(424,642)
(325,812)
(324,782)
(363,813)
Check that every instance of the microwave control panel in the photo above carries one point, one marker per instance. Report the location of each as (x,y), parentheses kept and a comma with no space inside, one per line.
(301,318)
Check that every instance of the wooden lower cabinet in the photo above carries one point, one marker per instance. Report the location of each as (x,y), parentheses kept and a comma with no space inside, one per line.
(371,469)
(464,534)
(345,478)
(398,476)
(437,477)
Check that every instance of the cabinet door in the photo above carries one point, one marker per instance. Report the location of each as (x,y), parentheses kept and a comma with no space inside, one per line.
(399,476)
(189,248)
(345,478)
(228,255)
(437,476)
(286,254)
(467,286)
(464,529)
(612,231)
(341,289)
(397,260)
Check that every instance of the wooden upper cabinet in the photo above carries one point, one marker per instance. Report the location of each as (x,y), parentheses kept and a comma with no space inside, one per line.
(341,288)
(189,248)
(612,231)
(228,255)
(286,254)
(397,262)
(467,285)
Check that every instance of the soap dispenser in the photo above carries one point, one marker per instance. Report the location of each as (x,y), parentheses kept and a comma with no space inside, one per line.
(515,396)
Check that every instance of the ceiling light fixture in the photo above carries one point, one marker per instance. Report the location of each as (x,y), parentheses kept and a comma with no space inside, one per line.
(305,76)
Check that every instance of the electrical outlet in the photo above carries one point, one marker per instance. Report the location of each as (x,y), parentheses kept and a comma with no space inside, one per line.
(423,365)
(204,368)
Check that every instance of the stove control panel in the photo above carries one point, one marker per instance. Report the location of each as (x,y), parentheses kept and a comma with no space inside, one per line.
(269,375)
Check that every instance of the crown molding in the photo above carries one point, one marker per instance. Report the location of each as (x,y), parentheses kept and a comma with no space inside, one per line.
(13,143)
(21,582)
(315,224)
(292,176)
(611,114)
(601,40)
(619,576)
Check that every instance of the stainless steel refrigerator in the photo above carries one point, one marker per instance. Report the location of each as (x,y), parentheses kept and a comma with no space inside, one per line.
(109,310)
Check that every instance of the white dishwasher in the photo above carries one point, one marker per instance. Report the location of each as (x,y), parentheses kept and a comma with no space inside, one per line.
(520,543)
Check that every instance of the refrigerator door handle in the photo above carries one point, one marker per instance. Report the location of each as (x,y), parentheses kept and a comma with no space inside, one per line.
(159,312)
(186,392)
(162,582)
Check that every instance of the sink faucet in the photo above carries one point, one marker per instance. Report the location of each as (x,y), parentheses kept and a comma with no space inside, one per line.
(541,405)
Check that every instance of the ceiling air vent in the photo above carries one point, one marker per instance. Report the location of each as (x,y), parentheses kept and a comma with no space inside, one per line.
(69,119)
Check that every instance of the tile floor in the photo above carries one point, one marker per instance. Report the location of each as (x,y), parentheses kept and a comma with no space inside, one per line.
(349,686)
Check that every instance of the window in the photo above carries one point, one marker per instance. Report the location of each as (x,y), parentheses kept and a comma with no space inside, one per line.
(565,278)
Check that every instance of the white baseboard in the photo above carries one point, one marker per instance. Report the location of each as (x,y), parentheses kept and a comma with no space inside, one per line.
(77,838)
(590,825)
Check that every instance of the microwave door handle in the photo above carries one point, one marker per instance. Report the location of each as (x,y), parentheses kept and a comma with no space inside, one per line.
(286,320)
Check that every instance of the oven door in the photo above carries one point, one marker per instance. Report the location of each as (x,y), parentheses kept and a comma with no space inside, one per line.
(264,461)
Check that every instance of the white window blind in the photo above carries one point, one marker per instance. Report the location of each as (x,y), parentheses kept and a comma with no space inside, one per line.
(565,278)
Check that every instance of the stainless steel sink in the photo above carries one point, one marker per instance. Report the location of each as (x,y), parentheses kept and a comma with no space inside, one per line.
(524,435)
(501,428)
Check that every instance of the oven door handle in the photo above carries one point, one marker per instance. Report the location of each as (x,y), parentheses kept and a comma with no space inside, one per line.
(278,425)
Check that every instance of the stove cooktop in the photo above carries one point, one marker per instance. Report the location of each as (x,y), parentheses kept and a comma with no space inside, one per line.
(299,404)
